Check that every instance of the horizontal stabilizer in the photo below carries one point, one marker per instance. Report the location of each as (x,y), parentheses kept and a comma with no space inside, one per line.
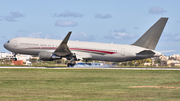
(146,53)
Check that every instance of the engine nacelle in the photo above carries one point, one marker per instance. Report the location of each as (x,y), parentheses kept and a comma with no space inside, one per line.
(48,56)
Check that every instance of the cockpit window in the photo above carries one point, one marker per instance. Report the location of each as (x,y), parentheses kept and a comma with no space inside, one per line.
(8,42)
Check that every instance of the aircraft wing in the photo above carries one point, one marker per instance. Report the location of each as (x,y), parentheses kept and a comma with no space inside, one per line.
(63,49)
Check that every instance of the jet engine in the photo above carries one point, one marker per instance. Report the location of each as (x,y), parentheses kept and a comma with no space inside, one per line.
(48,56)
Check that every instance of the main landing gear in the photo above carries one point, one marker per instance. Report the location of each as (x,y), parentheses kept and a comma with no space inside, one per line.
(72,63)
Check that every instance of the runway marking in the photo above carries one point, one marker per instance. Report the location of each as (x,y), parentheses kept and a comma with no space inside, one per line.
(152,87)
(126,68)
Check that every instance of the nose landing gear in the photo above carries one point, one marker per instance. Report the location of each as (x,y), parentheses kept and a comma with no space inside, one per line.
(15,59)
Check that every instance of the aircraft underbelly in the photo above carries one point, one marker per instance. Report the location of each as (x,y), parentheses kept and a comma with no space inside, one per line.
(117,58)
(31,51)
(108,58)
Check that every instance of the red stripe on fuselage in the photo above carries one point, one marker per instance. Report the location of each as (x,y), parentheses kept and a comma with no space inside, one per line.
(99,51)
(88,50)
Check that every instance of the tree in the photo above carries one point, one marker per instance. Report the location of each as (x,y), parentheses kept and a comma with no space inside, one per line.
(33,60)
(131,63)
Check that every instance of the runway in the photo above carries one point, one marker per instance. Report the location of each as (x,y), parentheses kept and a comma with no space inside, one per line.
(126,68)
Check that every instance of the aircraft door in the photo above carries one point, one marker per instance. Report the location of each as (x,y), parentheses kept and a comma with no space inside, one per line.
(15,43)
(122,52)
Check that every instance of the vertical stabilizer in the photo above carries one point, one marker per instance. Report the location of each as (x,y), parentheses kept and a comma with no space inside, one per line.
(151,37)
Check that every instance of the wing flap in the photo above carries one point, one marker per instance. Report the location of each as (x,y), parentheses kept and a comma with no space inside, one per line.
(82,55)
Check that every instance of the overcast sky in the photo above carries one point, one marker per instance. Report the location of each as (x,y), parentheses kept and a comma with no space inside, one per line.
(107,21)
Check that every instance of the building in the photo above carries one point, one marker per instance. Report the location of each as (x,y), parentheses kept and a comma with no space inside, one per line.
(174,57)
(173,62)
(25,58)
(4,55)
(163,57)
(10,56)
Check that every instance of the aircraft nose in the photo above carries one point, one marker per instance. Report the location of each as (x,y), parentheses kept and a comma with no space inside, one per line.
(6,45)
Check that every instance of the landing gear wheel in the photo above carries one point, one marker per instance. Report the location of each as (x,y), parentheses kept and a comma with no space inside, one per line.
(15,59)
(70,65)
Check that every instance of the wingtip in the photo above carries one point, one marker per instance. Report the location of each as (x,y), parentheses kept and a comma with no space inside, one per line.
(164,18)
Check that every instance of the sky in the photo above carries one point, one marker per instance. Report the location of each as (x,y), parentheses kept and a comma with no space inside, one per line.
(105,21)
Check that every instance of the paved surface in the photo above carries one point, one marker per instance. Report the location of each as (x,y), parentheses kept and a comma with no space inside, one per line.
(128,68)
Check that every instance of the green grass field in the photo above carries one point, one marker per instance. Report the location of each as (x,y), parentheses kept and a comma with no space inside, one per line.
(89,84)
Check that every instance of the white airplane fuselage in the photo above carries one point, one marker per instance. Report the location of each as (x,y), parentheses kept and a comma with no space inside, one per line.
(49,49)
(90,50)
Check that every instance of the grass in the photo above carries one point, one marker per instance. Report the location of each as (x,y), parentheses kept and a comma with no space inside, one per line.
(89,84)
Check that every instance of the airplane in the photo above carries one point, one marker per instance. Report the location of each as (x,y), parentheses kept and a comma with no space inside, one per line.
(50,49)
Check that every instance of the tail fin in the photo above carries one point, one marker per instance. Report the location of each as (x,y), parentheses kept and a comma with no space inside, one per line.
(151,37)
